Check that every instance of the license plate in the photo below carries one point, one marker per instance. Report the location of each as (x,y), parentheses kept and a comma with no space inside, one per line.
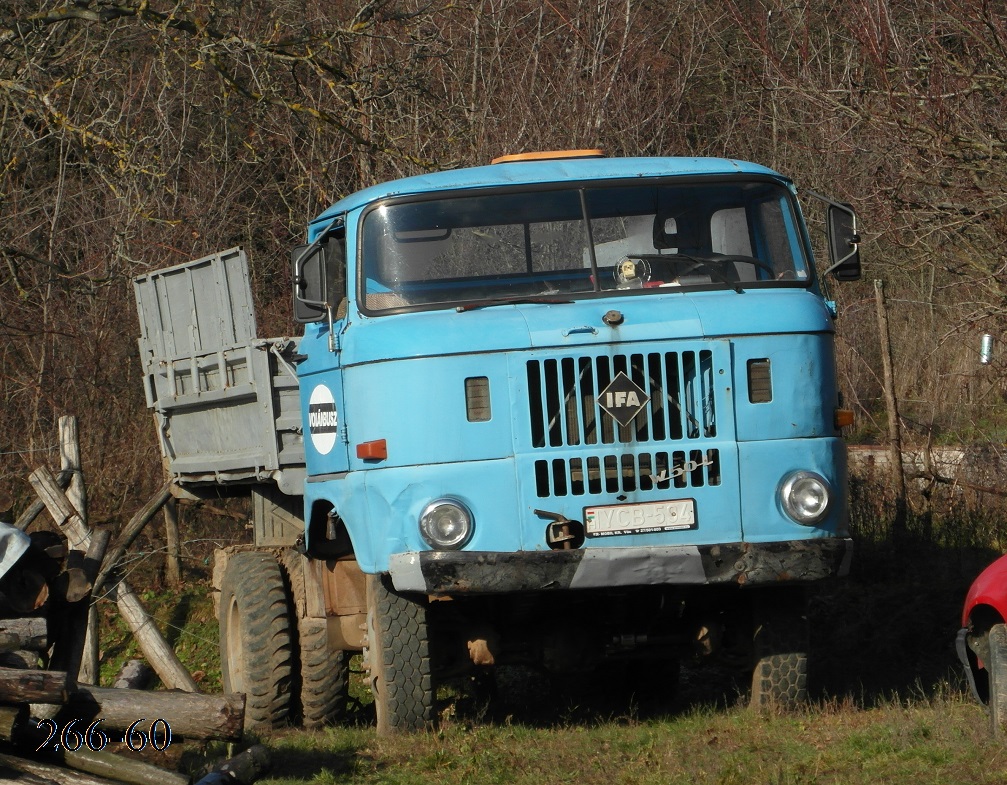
(639,518)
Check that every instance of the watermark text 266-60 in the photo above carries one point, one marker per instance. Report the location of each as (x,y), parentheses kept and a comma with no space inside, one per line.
(75,735)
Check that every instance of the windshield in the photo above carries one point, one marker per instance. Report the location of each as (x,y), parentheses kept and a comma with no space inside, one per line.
(470,248)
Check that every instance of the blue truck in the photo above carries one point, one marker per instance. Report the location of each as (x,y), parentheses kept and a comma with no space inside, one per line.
(557,411)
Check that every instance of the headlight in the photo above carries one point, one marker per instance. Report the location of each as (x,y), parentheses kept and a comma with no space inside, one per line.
(446,524)
(806,497)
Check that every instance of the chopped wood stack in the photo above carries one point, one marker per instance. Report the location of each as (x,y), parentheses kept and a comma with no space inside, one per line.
(54,725)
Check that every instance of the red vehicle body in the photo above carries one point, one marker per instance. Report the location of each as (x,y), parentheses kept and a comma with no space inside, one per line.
(982,640)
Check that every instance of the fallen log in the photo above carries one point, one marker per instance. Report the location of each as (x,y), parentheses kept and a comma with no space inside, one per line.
(188,714)
(21,686)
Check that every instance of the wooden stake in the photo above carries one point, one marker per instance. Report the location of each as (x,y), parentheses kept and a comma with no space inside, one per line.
(129,533)
(69,461)
(173,559)
(155,648)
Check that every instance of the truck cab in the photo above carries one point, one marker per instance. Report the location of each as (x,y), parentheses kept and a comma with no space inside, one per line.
(608,384)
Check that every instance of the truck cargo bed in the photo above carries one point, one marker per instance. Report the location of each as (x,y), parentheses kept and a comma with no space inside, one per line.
(226,402)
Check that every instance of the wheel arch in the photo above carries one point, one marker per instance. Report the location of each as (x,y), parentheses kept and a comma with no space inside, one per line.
(327,534)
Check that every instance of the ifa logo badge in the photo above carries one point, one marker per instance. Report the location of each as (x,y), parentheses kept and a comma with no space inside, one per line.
(623,399)
(323,420)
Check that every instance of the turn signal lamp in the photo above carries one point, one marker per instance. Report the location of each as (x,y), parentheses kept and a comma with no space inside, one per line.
(843,417)
(373,451)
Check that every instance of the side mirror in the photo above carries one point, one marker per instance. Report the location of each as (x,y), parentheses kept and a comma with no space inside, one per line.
(310,295)
(844,242)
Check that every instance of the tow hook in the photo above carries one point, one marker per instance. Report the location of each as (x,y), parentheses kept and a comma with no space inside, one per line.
(561,533)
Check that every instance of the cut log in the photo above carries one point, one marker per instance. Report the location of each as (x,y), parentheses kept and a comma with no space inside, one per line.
(19,686)
(189,715)
(122,768)
(60,508)
(32,631)
(90,670)
(53,773)
(36,507)
(12,719)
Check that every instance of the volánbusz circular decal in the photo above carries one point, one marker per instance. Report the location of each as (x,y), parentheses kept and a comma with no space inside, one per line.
(323,421)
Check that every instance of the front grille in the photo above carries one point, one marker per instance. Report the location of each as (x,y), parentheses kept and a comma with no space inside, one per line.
(627,473)
(564,398)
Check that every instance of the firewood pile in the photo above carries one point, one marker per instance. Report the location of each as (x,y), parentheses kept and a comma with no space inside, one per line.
(56,725)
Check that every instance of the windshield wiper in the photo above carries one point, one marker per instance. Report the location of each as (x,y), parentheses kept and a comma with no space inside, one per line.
(491,301)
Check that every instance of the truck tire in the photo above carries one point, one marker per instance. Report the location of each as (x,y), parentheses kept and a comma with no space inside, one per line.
(324,675)
(256,646)
(996,668)
(780,638)
(399,659)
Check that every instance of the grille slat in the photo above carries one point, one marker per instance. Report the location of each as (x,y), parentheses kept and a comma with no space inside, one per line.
(565,411)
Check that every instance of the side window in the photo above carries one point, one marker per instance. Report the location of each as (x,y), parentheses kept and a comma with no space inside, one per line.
(335,271)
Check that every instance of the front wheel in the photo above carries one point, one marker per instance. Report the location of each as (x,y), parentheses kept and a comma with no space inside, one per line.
(398,655)
(780,672)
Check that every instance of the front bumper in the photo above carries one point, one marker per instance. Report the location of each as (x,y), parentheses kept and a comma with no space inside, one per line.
(484,572)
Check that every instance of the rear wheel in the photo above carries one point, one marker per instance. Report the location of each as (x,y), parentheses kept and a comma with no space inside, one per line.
(256,651)
(780,672)
(996,668)
(324,675)
(399,658)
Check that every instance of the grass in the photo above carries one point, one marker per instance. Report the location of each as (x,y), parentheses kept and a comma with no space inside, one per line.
(889,703)
(942,740)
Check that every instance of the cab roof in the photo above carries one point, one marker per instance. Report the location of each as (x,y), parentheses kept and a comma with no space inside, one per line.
(532,172)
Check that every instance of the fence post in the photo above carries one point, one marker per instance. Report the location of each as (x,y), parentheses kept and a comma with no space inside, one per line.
(892,409)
